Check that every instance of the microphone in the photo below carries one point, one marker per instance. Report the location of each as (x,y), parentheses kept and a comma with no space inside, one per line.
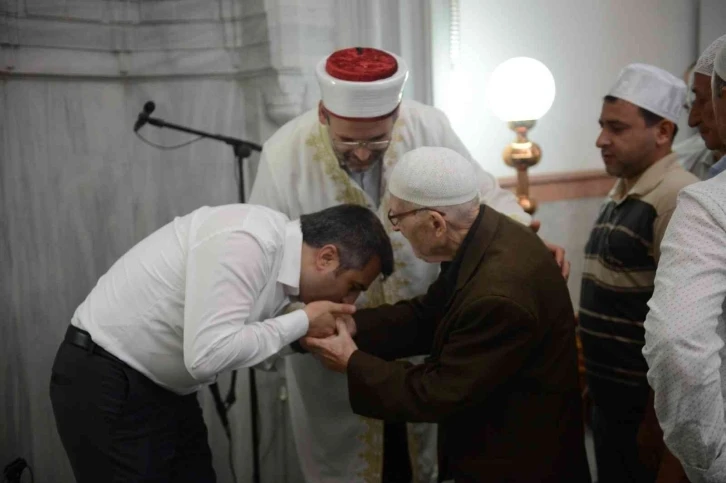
(144,115)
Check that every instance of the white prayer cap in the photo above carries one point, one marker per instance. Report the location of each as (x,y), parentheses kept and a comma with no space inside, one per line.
(704,65)
(719,64)
(434,177)
(651,88)
(361,83)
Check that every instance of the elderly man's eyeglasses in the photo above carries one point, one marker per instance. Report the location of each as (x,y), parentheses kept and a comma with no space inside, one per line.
(394,218)
(346,146)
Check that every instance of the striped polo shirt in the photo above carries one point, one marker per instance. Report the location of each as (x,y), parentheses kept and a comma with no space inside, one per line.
(619,273)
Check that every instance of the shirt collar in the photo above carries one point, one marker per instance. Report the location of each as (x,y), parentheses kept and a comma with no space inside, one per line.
(291,258)
(647,181)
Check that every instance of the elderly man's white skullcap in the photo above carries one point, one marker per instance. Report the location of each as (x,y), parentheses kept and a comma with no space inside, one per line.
(431,176)
(653,89)
(705,62)
(720,63)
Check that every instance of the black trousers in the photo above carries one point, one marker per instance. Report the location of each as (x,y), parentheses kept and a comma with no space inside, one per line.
(116,425)
(396,458)
(617,412)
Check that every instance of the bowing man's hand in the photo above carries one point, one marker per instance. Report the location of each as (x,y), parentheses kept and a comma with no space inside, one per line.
(334,351)
(322,315)
(557,251)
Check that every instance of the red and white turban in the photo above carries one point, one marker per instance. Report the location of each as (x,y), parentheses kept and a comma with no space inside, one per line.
(361,83)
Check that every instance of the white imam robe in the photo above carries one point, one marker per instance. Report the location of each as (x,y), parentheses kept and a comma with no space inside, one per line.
(299,174)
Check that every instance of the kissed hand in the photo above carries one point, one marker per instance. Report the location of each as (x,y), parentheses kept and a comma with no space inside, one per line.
(322,315)
(334,351)
(349,323)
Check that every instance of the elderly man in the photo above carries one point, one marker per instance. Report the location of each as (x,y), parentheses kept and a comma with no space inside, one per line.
(344,151)
(701,116)
(700,152)
(694,156)
(198,297)
(501,376)
(638,121)
(685,329)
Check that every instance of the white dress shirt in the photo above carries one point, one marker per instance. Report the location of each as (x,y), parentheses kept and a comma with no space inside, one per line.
(198,296)
(685,330)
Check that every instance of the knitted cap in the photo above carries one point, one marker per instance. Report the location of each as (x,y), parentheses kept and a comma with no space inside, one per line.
(705,62)
(651,88)
(434,177)
(719,64)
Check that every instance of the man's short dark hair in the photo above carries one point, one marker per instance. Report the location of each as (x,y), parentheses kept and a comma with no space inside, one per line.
(356,232)
(650,118)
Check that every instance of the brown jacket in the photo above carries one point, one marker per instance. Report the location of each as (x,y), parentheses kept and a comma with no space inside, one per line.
(501,377)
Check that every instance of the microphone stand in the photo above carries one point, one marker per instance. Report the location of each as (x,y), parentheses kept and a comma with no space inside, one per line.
(242,150)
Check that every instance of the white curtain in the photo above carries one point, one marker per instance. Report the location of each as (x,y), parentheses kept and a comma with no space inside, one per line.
(78,190)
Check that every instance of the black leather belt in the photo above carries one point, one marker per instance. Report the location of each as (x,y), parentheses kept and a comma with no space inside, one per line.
(81,338)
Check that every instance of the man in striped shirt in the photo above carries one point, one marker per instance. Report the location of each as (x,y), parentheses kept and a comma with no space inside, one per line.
(638,121)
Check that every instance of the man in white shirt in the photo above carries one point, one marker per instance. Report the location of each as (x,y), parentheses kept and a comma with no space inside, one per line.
(343,152)
(685,328)
(195,298)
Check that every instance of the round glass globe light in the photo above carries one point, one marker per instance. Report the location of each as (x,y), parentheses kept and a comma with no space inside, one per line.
(521,89)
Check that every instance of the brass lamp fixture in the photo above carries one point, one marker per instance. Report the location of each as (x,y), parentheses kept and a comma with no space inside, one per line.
(521,90)
(522,154)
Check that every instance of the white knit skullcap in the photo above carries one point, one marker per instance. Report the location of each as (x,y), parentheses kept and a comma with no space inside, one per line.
(704,65)
(434,177)
(719,64)
(651,88)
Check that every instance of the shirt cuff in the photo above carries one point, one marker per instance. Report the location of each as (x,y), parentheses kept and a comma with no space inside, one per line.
(294,325)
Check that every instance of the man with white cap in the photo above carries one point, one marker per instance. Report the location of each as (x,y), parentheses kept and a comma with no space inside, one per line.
(718,86)
(343,151)
(701,116)
(694,156)
(685,329)
(501,377)
(638,122)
